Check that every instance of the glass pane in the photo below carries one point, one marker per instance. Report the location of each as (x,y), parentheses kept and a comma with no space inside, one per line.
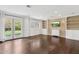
(18,26)
(8,28)
(56,24)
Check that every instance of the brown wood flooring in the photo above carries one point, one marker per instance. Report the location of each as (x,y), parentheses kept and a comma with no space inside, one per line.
(40,44)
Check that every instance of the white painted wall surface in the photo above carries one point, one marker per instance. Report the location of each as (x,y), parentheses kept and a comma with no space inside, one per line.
(72,34)
(55,32)
(44,31)
(26,27)
(35,27)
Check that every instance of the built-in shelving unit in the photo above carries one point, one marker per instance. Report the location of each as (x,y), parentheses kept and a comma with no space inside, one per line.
(44,24)
(73,23)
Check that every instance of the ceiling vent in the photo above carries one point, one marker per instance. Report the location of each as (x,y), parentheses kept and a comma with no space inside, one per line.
(29,6)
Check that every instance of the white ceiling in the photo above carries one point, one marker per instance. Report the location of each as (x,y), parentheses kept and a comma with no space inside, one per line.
(43,11)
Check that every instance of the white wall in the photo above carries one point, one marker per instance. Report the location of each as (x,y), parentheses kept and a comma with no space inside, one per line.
(32,27)
(55,32)
(35,27)
(72,34)
(26,27)
(44,31)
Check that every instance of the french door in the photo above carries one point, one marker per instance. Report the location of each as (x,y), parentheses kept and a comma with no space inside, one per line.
(8,31)
(18,28)
(12,27)
(34,27)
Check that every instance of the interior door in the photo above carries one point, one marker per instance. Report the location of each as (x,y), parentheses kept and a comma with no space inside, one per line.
(34,27)
(18,30)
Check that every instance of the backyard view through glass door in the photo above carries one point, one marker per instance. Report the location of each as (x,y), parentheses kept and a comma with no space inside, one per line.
(17,27)
(13,27)
(8,27)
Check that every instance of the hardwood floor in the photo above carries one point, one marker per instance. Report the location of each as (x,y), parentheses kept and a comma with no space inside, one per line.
(40,44)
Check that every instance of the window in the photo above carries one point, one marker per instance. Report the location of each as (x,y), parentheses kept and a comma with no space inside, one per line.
(13,27)
(56,24)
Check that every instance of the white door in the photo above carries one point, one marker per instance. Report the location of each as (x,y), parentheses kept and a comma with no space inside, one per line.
(34,27)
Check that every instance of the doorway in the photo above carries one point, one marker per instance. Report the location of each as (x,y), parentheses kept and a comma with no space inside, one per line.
(13,27)
(18,29)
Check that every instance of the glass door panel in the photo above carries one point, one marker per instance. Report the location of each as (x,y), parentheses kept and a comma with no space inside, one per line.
(8,27)
(17,27)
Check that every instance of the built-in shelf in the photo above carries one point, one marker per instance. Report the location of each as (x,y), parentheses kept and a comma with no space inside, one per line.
(73,23)
(44,24)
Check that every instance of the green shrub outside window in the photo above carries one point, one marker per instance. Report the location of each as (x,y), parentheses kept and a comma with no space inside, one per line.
(56,24)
